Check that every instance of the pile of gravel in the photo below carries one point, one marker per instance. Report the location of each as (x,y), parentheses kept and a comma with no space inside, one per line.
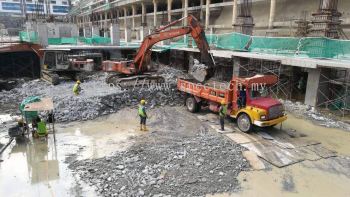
(97,97)
(167,164)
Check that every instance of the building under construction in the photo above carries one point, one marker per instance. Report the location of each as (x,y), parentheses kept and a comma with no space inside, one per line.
(304,44)
(175,98)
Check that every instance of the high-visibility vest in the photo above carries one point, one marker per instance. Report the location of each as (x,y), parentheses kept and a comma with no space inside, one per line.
(76,88)
(141,111)
(223,110)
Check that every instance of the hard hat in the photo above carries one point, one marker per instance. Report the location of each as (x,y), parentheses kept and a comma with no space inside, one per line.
(223,102)
(143,102)
(78,81)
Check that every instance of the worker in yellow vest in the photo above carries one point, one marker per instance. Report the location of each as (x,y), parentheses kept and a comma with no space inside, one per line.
(143,115)
(222,114)
(76,88)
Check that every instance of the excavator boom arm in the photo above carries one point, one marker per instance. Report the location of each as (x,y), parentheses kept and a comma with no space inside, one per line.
(196,31)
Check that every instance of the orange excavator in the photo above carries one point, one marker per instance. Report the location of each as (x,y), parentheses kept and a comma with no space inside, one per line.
(132,70)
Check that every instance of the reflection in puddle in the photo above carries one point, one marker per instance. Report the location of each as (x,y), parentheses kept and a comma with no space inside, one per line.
(36,167)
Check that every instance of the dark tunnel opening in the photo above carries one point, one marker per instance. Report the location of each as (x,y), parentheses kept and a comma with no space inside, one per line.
(19,64)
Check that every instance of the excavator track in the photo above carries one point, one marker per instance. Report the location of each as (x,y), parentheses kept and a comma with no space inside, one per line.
(50,77)
(126,82)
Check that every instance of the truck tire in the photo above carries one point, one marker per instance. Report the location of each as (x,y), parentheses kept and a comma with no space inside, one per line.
(244,123)
(192,104)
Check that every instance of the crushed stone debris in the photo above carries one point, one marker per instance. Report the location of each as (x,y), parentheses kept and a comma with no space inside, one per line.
(97,98)
(168,162)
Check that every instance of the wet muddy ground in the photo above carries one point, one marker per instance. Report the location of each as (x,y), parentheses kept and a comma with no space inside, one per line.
(40,167)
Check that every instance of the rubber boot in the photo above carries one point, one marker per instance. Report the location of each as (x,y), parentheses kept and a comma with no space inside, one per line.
(141,128)
(145,128)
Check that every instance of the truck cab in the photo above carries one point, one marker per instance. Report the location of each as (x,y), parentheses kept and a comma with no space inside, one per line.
(248,99)
(252,103)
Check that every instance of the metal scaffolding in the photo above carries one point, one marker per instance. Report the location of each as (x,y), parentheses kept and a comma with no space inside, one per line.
(334,91)
(282,89)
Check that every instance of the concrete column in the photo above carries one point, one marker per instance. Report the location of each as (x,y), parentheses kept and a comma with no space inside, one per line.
(127,31)
(42,34)
(87,31)
(115,34)
(313,81)
(207,14)
(74,30)
(95,30)
(272,13)
(234,12)
(169,10)
(201,11)
(155,9)
(185,12)
(133,7)
(143,14)
(236,66)
(143,28)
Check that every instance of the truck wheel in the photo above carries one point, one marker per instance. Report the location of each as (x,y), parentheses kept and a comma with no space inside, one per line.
(244,123)
(191,104)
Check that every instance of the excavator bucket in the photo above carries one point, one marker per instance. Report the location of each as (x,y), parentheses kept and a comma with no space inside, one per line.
(201,72)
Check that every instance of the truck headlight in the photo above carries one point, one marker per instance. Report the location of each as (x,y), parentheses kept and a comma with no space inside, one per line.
(263,117)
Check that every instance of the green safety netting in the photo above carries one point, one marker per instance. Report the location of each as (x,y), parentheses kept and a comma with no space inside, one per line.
(64,40)
(286,46)
(95,40)
(28,36)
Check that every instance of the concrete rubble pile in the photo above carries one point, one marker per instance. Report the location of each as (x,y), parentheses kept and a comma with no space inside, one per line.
(97,97)
(312,114)
(166,163)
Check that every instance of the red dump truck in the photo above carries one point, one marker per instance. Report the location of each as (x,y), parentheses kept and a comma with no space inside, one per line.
(248,99)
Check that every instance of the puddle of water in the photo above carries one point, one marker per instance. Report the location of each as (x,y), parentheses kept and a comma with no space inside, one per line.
(36,167)
(103,136)
(295,180)
(334,139)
